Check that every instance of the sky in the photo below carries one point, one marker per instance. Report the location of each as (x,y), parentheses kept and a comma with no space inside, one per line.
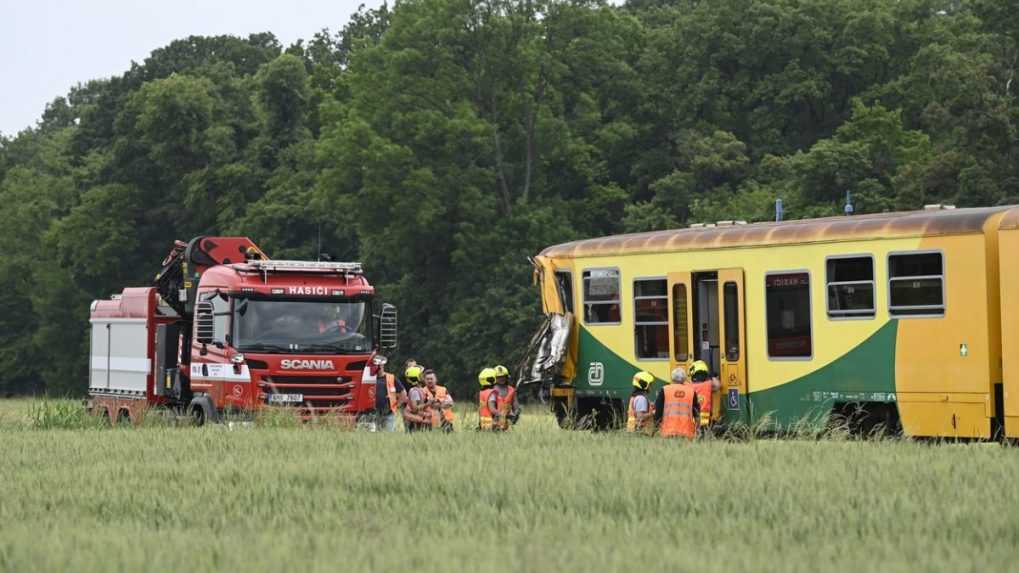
(48,46)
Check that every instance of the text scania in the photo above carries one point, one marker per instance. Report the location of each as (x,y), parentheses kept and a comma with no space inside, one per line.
(308,290)
(306,364)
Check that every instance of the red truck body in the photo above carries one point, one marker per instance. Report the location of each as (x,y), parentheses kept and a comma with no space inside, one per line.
(227,329)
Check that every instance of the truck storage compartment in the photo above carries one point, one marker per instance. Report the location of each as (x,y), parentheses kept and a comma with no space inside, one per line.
(120,360)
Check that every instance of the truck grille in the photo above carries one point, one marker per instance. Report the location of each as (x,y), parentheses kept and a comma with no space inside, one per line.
(320,392)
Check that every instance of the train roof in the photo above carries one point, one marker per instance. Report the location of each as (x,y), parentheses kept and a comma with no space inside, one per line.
(926,223)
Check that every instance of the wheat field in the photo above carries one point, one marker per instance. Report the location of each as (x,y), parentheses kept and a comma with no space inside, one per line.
(310,498)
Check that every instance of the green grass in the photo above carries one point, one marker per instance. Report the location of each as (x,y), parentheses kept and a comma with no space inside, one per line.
(321,499)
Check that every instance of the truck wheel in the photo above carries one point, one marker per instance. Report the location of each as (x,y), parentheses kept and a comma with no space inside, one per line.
(201,411)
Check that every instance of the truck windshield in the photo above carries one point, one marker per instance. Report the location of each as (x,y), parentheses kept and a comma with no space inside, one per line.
(306,327)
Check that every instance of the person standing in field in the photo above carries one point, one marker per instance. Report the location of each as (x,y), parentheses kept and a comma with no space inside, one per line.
(409,363)
(639,417)
(676,411)
(502,402)
(390,396)
(416,415)
(705,385)
(486,379)
(440,402)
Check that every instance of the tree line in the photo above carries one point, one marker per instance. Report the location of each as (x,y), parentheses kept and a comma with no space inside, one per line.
(444,141)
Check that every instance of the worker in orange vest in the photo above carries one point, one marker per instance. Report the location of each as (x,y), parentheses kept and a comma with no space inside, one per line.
(639,416)
(486,379)
(440,402)
(706,386)
(416,415)
(676,409)
(502,402)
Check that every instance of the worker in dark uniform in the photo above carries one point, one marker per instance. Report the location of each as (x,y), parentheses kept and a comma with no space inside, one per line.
(390,396)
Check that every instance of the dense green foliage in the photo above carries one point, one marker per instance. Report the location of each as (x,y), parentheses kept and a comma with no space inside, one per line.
(443,141)
(319,499)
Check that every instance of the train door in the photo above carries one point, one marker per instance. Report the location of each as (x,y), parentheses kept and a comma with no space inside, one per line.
(733,371)
(707,319)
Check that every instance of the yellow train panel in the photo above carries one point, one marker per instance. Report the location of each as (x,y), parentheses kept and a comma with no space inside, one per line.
(950,353)
(935,416)
(1009,256)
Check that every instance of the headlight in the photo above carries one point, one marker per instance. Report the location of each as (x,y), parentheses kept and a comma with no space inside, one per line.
(237,359)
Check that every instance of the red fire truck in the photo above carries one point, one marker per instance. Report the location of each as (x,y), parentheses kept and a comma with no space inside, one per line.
(225,328)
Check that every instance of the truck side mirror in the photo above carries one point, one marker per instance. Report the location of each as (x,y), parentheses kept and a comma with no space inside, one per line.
(387,327)
(205,326)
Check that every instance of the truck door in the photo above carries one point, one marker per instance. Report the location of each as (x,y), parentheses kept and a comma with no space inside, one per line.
(680,320)
(733,371)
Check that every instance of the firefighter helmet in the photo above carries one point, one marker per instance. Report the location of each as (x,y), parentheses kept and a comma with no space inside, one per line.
(699,371)
(413,374)
(500,371)
(486,377)
(643,380)
(699,366)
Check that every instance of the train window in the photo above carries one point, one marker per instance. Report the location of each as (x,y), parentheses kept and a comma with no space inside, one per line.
(565,281)
(651,318)
(601,296)
(730,293)
(850,282)
(788,314)
(679,323)
(916,284)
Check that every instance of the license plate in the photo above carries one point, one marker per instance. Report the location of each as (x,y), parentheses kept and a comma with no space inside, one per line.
(286,398)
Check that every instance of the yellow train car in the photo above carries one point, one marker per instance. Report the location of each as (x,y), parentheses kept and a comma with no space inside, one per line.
(910,319)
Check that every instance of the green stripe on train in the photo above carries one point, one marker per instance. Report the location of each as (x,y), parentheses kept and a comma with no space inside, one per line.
(864,374)
(602,372)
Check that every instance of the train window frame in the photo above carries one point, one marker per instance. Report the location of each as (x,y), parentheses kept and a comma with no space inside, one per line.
(735,326)
(568,301)
(943,277)
(841,315)
(636,323)
(810,314)
(618,301)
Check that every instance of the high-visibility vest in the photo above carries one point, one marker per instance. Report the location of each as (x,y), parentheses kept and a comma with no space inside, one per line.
(503,406)
(484,412)
(391,391)
(677,412)
(439,413)
(631,416)
(421,417)
(703,390)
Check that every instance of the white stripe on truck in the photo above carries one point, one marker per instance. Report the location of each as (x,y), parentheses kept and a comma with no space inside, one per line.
(118,364)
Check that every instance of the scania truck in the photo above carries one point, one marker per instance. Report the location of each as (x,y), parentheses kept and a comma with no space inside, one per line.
(224,328)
